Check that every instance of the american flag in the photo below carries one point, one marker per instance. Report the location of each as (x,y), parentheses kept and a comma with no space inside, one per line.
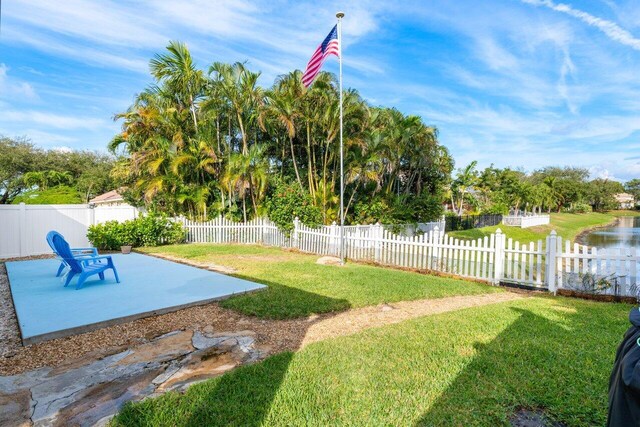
(328,47)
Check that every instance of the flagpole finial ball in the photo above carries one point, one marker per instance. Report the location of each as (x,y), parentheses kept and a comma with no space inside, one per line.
(340,15)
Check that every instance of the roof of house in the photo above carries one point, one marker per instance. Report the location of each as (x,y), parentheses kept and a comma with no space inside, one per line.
(624,197)
(110,196)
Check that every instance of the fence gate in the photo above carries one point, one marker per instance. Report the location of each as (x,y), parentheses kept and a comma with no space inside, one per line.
(523,264)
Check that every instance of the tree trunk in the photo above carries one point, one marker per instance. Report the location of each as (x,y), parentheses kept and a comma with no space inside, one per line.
(295,165)
(461,203)
(245,146)
(346,209)
(193,112)
(253,200)
(244,207)
(218,134)
(309,167)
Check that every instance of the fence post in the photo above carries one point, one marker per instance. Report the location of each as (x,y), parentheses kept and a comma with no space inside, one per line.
(263,223)
(92,214)
(498,258)
(22,229)
(436,249)
(296,233)
(376,235)
(550,261)
(334,239)
(443,222)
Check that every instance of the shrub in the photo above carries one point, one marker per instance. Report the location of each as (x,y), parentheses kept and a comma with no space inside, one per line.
(498,208)
(404,209)
(371,211)
(60,194)
(289,201)
(148,230)
(578,208)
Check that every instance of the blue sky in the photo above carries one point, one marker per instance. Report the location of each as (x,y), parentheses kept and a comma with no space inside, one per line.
(521,83)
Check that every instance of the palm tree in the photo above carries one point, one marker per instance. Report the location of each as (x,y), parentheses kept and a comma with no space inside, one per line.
(247,174)
(554,196)
(465,181)
(238,86)
(178,72)
(365,165)
(284,108)
(187,141)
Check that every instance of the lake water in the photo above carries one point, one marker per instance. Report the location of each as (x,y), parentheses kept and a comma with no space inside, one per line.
(625,234)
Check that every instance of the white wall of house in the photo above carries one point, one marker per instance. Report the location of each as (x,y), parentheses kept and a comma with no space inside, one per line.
(23,228)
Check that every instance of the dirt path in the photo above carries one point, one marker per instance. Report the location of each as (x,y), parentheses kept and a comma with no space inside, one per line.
(356,320)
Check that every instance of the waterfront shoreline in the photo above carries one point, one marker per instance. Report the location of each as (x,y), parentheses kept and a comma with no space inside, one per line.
(580,237)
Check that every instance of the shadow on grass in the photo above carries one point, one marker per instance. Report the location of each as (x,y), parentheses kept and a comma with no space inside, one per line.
(282,302)
(243,396)
(535,364)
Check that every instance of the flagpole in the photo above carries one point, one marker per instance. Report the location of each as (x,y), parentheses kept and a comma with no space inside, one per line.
(340,15)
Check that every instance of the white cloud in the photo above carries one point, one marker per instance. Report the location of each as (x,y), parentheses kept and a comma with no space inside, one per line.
(495,56)
(78,52)
(602,172)
(104,22)
(12,88)
(62,149)
(609,28)
(117,35)
(567,69)
(52,120)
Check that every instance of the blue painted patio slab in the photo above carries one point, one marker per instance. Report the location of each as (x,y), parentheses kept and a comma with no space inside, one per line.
(148,285)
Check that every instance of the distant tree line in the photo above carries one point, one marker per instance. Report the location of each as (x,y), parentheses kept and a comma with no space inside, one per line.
(550,189)
(33,175)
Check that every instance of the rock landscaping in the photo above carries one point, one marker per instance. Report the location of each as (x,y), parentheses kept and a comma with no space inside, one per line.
(86,394)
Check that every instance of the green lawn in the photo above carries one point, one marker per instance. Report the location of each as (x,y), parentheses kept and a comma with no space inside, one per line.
(299,287)
(472,367)
(566,225)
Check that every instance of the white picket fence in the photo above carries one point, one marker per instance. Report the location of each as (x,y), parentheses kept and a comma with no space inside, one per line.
(526,220)
(582,267)
(493,258)
(23,227)
(222,230)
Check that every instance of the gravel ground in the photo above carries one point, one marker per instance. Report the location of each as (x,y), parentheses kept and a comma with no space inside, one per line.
(9,333)
(272,335)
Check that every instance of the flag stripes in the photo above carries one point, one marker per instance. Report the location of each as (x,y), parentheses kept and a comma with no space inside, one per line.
(328,47)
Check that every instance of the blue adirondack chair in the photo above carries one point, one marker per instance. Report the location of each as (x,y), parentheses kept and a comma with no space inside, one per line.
(77,265)
(91,252)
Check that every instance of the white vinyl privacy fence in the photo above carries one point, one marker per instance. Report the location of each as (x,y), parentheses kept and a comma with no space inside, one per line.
(23,227)
(551,265)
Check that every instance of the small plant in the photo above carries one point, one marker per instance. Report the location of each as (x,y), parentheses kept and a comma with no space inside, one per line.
(148,230)
(591,283)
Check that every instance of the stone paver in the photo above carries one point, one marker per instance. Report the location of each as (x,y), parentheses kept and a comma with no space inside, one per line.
(85,394)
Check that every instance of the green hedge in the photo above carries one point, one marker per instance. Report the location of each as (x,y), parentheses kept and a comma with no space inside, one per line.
(287,202)
(148,230)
